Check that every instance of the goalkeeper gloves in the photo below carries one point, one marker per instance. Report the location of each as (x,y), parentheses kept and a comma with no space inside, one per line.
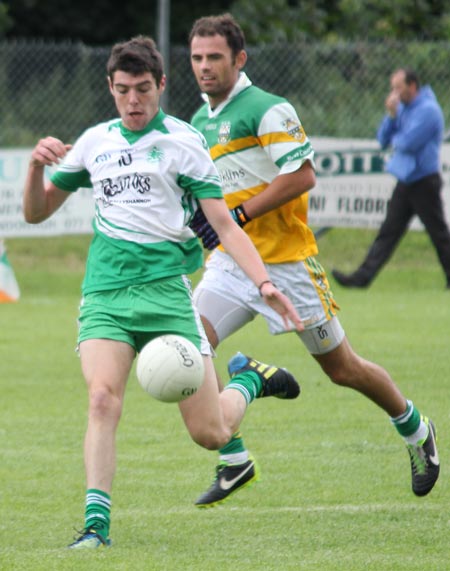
(205,231)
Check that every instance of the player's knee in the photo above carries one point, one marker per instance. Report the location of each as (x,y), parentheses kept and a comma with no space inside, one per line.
(212,439)
(103,403)
(346,374)
(339,377)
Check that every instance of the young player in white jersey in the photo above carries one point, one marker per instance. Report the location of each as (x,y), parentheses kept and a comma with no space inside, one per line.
(267,166)
(148,173)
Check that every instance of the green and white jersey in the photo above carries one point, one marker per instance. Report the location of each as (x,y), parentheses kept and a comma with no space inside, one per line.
(145,185)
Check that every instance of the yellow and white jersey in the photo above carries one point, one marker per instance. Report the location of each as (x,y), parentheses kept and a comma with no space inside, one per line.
(254,136)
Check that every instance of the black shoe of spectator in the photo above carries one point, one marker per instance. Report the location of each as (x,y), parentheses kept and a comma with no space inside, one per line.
(350,280)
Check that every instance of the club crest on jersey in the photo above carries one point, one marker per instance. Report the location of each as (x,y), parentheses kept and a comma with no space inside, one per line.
(155,155)
(294,129)
(224,133)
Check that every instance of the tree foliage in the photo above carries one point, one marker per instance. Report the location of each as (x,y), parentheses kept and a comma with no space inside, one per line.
(103,22)
(334,20)
(6,21)
(99,22)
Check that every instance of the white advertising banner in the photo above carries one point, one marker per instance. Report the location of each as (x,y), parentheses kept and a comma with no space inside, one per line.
(352,191)
(74,217)
(353,188)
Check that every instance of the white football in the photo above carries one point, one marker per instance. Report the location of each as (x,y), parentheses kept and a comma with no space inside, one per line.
(170,368)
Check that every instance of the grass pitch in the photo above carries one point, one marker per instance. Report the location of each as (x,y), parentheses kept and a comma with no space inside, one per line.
(335,491)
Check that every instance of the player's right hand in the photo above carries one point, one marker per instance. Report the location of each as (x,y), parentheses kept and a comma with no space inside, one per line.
(282,305)
(48,151)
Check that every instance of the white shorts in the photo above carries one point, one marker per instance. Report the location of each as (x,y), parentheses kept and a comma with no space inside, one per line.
(229,300)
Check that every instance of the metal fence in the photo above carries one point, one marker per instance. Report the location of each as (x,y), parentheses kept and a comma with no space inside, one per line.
(338,90)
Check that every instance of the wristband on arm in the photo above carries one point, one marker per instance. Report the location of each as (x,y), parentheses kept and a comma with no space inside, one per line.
(240,216)
(262,283)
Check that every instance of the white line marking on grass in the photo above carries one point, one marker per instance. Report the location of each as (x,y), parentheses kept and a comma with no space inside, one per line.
(340,508)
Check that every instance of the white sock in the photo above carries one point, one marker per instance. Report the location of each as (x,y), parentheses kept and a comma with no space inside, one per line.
(419,435)
(238,458)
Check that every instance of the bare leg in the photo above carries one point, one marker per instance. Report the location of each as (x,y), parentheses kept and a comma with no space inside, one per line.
(210,418)
(346,368)
(106,365)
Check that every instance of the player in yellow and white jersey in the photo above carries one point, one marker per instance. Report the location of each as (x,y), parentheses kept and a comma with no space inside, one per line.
(266,164)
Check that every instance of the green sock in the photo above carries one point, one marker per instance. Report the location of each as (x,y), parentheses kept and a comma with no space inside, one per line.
(234,446)
(408,422)
(247,383)
(98,512)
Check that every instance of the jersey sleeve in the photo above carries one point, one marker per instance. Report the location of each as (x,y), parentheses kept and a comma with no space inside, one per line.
(72,173)
(197,172)
(283,138)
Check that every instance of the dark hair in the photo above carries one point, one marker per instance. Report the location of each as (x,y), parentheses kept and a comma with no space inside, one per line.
(410,76)
(136,56)
(224,25)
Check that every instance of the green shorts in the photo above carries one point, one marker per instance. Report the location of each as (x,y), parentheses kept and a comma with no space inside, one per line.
(139,313)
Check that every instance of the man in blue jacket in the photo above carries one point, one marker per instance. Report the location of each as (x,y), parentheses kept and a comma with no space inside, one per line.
(413,127)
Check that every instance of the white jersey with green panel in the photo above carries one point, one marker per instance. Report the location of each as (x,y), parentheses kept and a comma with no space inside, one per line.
(145,185)
(254,136)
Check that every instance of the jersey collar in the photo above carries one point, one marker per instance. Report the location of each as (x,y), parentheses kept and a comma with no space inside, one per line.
(156,124)
(242,83)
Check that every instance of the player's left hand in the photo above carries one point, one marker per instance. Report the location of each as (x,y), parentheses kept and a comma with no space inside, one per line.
(282,305)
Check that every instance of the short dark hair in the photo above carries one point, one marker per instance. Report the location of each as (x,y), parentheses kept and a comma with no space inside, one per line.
(411,76)
(224,25)
(136,56)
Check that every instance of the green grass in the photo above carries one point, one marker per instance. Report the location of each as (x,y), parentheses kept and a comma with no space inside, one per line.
(335,490)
